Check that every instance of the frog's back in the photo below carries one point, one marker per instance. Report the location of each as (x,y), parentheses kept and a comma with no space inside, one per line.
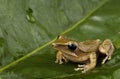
(89,45)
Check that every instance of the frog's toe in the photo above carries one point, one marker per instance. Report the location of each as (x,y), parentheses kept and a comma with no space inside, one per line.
(109,58)
(84,71)
(81,66)
(56,61)
(103,62)
(105,59)
(59,61)
(77,69)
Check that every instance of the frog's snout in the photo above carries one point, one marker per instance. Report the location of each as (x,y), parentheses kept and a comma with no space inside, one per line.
(54,45)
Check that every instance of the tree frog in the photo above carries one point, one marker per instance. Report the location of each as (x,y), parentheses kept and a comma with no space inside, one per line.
(86,51)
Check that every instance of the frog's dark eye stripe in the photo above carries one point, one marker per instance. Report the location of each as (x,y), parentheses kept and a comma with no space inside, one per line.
(72,46)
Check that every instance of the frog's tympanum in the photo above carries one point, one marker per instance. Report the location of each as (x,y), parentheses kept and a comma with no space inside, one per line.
(86,51)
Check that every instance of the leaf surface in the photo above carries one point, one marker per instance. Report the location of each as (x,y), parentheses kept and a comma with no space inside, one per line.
(27,26)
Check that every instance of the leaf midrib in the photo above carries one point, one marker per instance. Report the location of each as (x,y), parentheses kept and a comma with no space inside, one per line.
(48,43)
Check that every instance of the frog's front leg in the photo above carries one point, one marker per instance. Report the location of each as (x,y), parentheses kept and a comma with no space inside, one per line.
(90,65)
(106,48)
(60,58)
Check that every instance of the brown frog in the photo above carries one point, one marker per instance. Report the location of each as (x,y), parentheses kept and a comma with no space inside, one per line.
(69,50)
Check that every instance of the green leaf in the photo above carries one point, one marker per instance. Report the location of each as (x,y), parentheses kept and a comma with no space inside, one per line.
(28,27)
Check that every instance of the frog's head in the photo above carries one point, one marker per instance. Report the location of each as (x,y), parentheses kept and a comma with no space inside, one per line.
(65,45)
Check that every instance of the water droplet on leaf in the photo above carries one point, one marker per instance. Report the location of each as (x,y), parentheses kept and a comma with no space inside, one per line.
(30,16)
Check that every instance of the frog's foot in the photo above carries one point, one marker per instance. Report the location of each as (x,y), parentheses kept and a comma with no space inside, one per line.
(106,48)
(88,66)
(59,61)
(105,59)
(60,58)
(84,68)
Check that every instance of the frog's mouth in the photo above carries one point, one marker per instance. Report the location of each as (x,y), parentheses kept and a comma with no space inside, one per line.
(54,45)
(58,46)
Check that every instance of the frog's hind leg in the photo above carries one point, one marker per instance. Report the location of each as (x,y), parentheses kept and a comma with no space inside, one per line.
(106,48)
(88,66)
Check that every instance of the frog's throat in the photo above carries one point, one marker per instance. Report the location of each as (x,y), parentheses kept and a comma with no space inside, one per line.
(72,54)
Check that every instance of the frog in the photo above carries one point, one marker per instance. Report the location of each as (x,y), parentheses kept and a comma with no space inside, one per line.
(82,52)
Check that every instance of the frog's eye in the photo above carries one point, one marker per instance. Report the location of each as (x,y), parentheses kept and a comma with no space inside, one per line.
(72,46)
